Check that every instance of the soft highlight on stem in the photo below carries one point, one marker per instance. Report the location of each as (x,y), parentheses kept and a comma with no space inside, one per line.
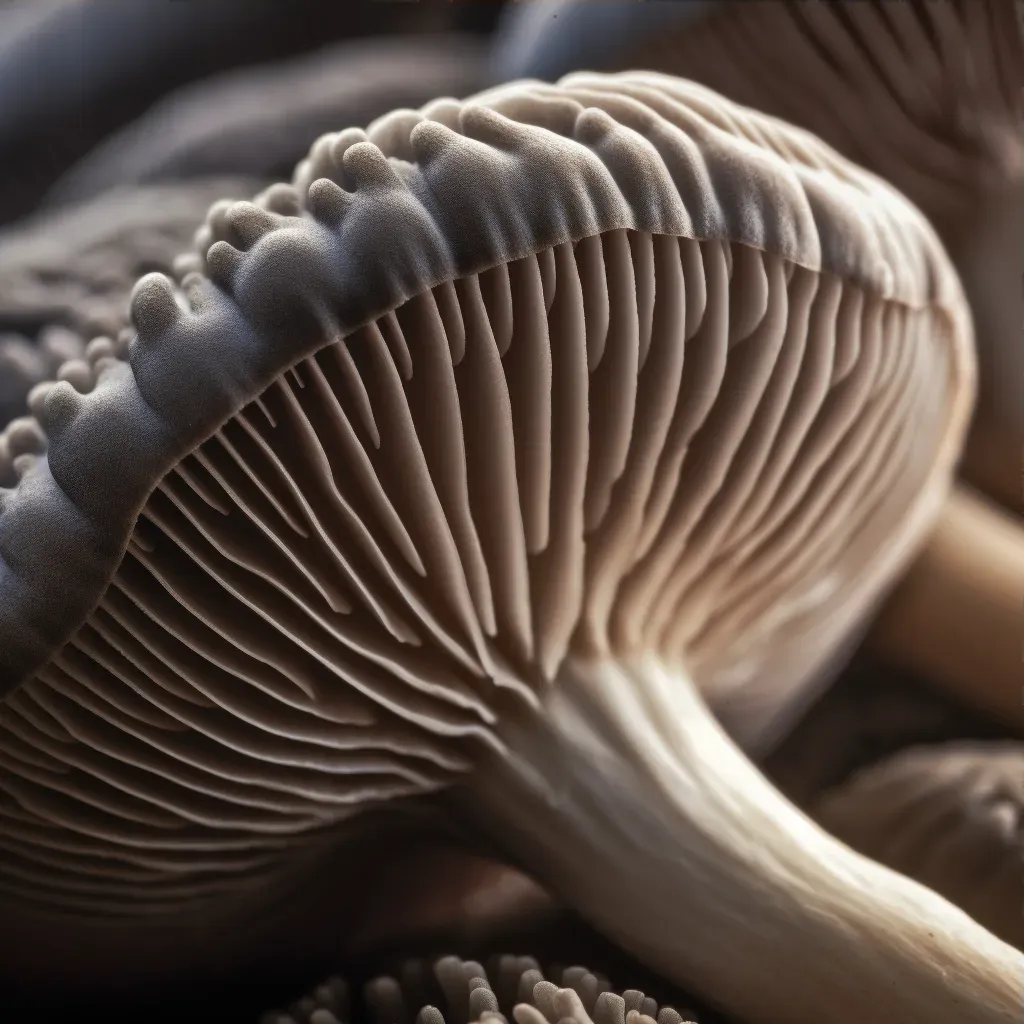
(630,800)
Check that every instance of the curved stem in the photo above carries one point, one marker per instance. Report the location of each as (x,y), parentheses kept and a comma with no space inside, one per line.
(629,800)
(957,617)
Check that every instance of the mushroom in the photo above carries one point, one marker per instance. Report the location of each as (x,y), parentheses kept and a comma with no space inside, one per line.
(951,816)
(25,362)
(871,712)
(463,470)
(464,993)
(72,72)
(928,95)
(955,617)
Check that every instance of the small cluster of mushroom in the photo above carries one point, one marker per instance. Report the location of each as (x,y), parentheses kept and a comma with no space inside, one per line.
(464,472)
(520,991)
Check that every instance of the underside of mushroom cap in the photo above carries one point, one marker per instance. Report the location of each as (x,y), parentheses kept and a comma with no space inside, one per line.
(349,505)
(423,198)
(930,96)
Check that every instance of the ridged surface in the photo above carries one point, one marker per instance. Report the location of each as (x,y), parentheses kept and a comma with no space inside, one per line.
(644,153)
(952,817)
(925,94)
(928,94)
(320,606)
(700,395)
(453,991)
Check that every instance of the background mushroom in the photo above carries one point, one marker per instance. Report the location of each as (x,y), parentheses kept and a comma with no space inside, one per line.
(955,618)
(869,714)
(360,539)
(950,816)
(66,275)
(72,72)
(928,95)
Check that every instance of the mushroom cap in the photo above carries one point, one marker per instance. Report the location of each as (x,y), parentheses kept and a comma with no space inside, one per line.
(345,506)
(72,72)
(430,215)
(950,816)
(25,362)
(930,95)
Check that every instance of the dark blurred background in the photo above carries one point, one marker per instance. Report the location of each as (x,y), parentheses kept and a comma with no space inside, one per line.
(73,72)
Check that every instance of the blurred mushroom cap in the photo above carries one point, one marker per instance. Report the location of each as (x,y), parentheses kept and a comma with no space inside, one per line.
(949,816)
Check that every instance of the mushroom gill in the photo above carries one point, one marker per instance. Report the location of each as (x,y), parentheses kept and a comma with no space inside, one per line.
(468,467)
(951,816)
(929,95)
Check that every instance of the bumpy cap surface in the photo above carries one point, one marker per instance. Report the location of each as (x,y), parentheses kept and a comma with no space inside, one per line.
(75,266)
(66,276)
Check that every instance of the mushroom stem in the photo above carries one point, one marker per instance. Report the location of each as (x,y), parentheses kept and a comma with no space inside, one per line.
(629,800)
(956,616)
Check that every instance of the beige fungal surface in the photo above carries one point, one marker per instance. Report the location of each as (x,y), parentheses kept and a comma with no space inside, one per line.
(481,455)
(950,816)
(955,617)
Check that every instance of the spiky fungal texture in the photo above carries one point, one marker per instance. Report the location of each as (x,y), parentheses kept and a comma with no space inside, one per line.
(455,991)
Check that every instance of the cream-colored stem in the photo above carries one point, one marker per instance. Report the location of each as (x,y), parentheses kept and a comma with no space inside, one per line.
(957,618)
(626,797)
